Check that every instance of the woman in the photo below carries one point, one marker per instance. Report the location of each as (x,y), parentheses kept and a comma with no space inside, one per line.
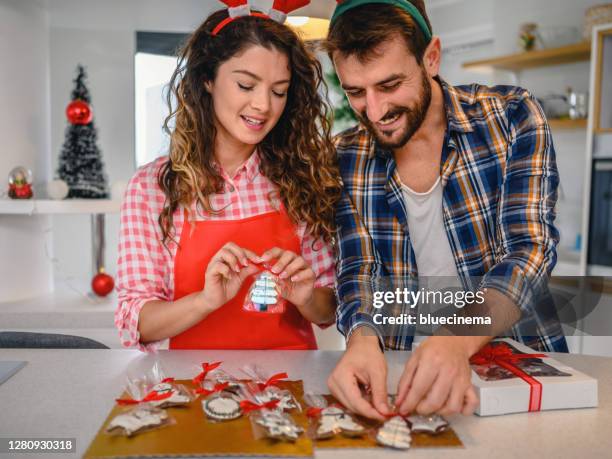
(250,182)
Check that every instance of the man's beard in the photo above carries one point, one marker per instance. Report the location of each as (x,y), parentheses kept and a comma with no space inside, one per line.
(414,118)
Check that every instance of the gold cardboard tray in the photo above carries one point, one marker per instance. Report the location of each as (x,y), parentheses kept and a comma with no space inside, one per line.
(193,435)
(446,439)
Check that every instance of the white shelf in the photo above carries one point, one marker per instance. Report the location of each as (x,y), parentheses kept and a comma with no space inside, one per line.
(69,306)
(66,206)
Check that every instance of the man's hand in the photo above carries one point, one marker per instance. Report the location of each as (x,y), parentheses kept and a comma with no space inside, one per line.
(437,378)
(363,364)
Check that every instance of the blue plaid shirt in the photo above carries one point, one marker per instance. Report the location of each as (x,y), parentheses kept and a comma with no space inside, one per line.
(500,184)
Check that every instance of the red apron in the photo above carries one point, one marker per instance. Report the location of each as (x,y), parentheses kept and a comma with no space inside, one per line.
(230,326)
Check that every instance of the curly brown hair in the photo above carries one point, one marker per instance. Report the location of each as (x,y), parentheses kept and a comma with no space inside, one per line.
(297,155)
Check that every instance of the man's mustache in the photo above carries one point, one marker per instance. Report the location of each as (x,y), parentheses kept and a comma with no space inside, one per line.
(389,115)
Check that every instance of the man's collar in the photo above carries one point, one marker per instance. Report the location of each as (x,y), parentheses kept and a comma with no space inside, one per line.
(455,115)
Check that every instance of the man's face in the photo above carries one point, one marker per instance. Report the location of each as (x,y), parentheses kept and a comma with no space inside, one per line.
(390,92)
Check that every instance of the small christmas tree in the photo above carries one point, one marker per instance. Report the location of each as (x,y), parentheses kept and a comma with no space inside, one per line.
(80,162)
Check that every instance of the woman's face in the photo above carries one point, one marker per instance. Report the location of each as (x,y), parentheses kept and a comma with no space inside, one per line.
(249,94)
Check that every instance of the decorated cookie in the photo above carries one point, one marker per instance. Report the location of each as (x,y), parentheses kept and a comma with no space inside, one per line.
(221,408)
(334,420)
(394,433)
(137,419)
(264,292)
(279,425)
(286,400)
(178,395)
(427,424)
(264,295)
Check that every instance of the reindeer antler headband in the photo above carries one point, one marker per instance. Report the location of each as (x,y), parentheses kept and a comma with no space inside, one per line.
(344,5)
(240,8)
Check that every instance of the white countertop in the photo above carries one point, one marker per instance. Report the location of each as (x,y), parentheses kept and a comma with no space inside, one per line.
(69,393)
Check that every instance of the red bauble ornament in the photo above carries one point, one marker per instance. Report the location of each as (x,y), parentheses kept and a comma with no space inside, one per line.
(102,284)
(79,112)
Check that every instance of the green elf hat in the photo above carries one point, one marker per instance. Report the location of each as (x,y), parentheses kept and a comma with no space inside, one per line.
(344,5)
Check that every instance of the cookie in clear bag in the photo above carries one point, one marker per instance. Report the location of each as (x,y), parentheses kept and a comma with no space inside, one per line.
(264,295)
(142,418)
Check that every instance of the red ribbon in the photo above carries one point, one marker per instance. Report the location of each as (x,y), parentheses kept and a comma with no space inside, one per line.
(152,396)
(206,368)
(313,412)
(272,381)
(218,388)
(247,406)
(503,356)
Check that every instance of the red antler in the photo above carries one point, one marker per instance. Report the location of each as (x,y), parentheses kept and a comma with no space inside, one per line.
(287,6)
(281,8)
(234,3)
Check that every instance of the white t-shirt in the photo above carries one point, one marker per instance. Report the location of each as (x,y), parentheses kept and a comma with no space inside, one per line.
(434,256)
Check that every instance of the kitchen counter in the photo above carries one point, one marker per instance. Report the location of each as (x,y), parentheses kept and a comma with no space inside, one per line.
(68,393)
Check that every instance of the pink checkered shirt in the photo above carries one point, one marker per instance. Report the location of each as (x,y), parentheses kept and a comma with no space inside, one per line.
(145,269)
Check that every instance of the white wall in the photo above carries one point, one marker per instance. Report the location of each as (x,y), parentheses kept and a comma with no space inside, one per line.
(101,35)
(25,267)
(54,36)
(458,20)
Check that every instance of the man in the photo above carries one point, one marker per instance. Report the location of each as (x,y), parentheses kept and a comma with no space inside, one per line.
(439,181)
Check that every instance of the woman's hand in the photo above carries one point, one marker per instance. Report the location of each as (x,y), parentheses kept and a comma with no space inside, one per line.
(225,273)
(297,277)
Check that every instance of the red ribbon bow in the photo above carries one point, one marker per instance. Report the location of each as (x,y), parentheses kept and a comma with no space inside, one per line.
(272,381)
(206,368)
(218,388)
(503,356)
(152,396)
(315,411)
(247,406)
(500,353)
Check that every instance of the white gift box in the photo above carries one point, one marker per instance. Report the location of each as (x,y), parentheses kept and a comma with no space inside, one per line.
(516,395)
